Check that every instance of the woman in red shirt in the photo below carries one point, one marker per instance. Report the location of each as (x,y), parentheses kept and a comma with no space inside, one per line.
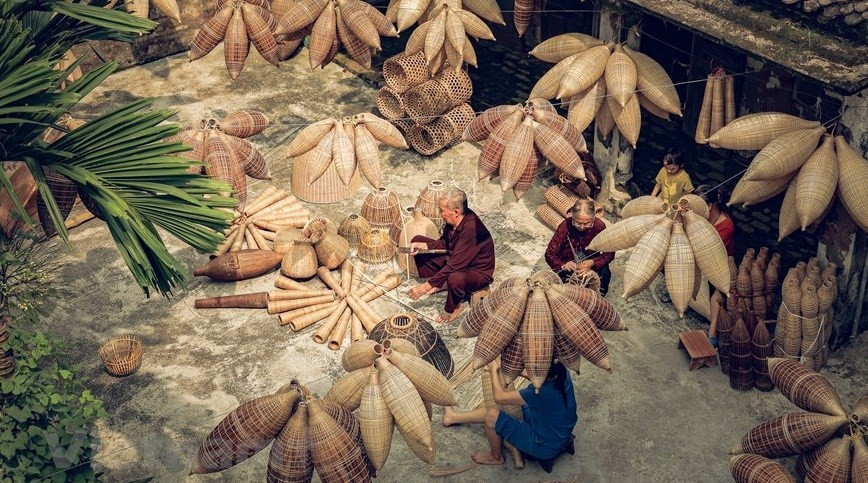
(722,222)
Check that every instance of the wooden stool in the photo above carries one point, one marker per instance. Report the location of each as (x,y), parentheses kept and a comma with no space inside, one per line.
(698,348)
(480,294)
(548,464)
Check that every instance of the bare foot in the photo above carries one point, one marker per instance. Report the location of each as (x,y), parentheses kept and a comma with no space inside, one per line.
(457,312)
(448,416)
(433,290)
(485,458)
(444,317)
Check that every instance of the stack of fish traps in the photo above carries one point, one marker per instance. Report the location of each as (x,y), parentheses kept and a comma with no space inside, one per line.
(530,321)
(560,198)
(829,441)
(431,112)
(391,385)
(745,342)
(308,434)
(806,313)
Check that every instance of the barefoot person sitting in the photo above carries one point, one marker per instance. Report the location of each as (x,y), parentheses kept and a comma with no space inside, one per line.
(468,264)
(548,417)
(567,251)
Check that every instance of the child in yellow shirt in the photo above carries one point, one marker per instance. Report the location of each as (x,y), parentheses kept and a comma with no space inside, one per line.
(672,182)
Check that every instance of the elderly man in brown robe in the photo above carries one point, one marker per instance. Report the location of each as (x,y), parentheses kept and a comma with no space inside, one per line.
(468,264)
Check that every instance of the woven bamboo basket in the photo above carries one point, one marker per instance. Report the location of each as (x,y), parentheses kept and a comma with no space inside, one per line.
(763,348)
(407,407)
(421,333)
(559,47)
(482,126)
(245,431)
(236,44)
(348,423)
(789,434)
(851,182)
(804,387)
(458,118)
(501,327)
(549,216)
(729,99)
(620,75)
(380,208)
(833,461)
(547,86)
(239,265)
(458,86)
(289,458)
(537,333)
(376,247)
(331,249)
(816,183)
(755,131)
(740,357)
(859,472)
(643,205)
(604,315)
(724,335)
(427,139)
(390,104)
(652,108)
(347,391)
(300,260)
(625,234)
(431,385)
(376,422)
(479,314)
(583,107)
(567,354)
(561,199)
(717,104)
(244,123)
(426,101)
(583,72)
(335,453)
(512,358)
(492,150)
(404,71)
(784,154)
(654,82)
(826,295)
(647,258)
(752,468)
(360,354)
(544,277)
(327,189)
(418,224)
(628,118)
(806,460)
(703,124)
(121,355)
(578,329)
(428,201)
(352,228)
(788,220)
(517,154)
(708,249)
(679,269)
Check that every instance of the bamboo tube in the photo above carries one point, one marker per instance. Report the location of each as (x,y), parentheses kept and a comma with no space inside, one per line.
(383,287)
(287,317)
(230,237)
(729,96)
(279,306)
(276,295)
(239,238)
(266,198)
(249,240)
(346,275)
(326,276)
(337,336)
(256,300)
(284,217)
(357,331)
(322,334)
(287,283)
(373,315)
(704,122)
(266,225)
(285,211)
(277,205)
(368,321)
(260,240)
(717,106)
(304,321)
(268,235)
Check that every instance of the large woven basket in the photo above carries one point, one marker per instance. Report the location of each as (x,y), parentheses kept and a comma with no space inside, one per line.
(122,355)
(429,201)
(422,334)
(404,71)
(375,247)
(381,208)
(390,104)
(327,189)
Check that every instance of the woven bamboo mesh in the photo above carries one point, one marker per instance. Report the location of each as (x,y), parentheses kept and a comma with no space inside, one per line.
(708,249)
(427,139)
(300,260)
(328,188)
(347,391)
(547,86)
(560,198)
(833,461)
(376,422)
(725,327)
(583,72)
(804,387)
(859,471)
(762,343)
(578,329)
(816,183)
(458,118)
(245,431)
(851,182)
(516,154)
(380,208)
(512,358)
(679,269)
(501,327)
(428,201)
(537,333)
(654,82)
(740,357)
(289,458)
(784,155)
(628,118)
(239,265)
(752,468)
(717,105)
(545,277)
(620,75)
(353,227)
(331,249)
(755,131)
(482,126)
(647,258)
(489,157)
(360,354)
(643,205)
(458,86)
(404,71)
(549,216)
(789,434)
(390,104)
(428,381)
(426,101)
(398,225)
(121,355)
(479,314)
(376,247)
(336,454)
(703,123)
(625,233)
(348,422)
(753,192)
(421,333)
(559,47)
(601,311)
(407,407)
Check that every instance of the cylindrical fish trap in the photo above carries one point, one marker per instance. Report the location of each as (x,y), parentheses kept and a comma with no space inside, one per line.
(427,101)
(422,334)
(762,348)
(740,358)
(390,104)
(724,334)
(458,86)
(427,139)
(402,72)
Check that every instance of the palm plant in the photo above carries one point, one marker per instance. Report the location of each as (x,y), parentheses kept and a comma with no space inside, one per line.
(121,160)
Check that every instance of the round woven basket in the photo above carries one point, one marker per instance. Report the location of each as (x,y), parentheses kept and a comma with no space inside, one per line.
(352,228)
(376,247)
(459,118)
(427,139)
(390,103)
(459,88)
(422,334)
(402,72)
(122,355)
(381,208)
(429,201)
(426,101)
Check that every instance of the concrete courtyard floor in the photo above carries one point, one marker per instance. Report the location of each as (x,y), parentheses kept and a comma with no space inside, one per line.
(649,420)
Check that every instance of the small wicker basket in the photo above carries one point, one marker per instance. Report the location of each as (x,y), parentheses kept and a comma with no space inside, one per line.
(122,355)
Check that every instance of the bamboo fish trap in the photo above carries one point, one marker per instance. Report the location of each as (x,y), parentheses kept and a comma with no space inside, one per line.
(257,224)
(421,333)
(238,24)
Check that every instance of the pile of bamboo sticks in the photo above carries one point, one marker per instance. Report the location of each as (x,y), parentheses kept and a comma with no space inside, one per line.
(257,225)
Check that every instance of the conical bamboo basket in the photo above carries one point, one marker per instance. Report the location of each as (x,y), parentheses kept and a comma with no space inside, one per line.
(547,86)
(804,387)
(643,205)
(512,358)
(852,179)
(601,311)
(417,225)
(647,258)
(289,459)
(784,154)
(740,357)
(755,131)
(703,123)
(421,333)
(620,75)
(360,354)
(375,421)
(245,431)
(380,208)
(347,391)
(583,107)
(428,381)
(833,461)
(375,247)
(725,327)
(859,470)
(578,329)
(472,324)
(537,333)
(328,188)
(559,47)
(584,71)
(754,192)
(625,234)
(708,249)
(335,453)
(407,407)
(717,106)
(628,118)
(352,228)
(679,267)
(789,434)
(763,348)
(752,468)
(501,327)
(482,126)
(816,183)
(654,83)
(428,201)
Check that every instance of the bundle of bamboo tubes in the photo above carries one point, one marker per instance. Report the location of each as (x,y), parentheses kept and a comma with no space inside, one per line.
(718,105)
(257,225)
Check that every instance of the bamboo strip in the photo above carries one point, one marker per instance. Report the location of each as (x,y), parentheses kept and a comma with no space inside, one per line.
(287,317)
(280,306)
(326,276)
(346,276)
(239,238)
(337,336)
(256,300)
(322,334)
(287,283)
(305,321)
(276,295)
(259,239)
(249,240)
(268,235)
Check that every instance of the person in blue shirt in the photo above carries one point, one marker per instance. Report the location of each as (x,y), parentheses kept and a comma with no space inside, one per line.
(548,417)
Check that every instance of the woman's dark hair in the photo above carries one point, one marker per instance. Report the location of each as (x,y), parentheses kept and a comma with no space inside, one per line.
(558,375)
(719,196)
(675,157)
